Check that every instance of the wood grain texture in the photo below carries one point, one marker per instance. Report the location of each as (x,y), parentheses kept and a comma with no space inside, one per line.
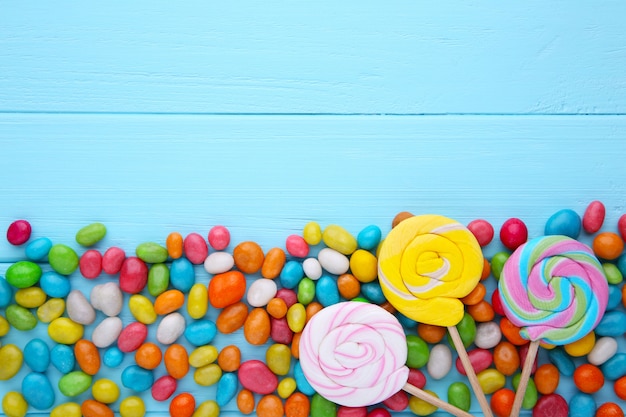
(314,57)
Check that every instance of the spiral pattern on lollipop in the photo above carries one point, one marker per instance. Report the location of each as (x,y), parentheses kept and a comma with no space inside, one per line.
(354,354)
(426,264)
(554,288)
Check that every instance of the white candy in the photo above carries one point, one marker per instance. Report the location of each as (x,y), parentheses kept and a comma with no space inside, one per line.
(604,349)
(488,335)
(261,292)
(333,261)
(107,298)
(170,328)
(79,309)
(106,333)
(439,362)
(219,262)
(312,268)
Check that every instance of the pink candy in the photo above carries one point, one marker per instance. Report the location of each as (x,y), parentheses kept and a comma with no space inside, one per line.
(482,231)
(297,246)
(133,275)
(594,217)
(163,388)
(219,237)
(90,264)
(257,377)
(112,260)
(132,336)
(18,232)
(195,248)
(513,233)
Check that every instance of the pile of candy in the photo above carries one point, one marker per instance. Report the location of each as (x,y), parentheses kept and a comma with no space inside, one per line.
(96,331)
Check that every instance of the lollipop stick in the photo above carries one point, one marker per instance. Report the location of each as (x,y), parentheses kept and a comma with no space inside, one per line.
(469,371)
(437,402)
(523,382)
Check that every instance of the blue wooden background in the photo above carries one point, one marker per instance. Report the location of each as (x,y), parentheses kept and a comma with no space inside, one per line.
(155,116)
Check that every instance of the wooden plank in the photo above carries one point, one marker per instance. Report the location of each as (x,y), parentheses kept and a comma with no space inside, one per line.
(333,57)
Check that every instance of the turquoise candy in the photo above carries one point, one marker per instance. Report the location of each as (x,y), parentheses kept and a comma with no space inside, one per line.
(158,279)
(406,322)
(21,318)
(38,391)
(200,332)
(417,351)
(63,259)
(459,395)
(182,274)
(621,264)
(38,249)
(327,291)
(301,382)
(373,292)
(306,291)
(615,297)
(321,407)
(615,367)
(369,237)
(37,355)
(226,388)
(562,361)
(113,357)
(62,357)
(55,285)
(6,293)
(23,274)
(291,274)
(151,252)
(612,324)
(91,234)
(582,405)
(137,378)
(564,222)
(74,383)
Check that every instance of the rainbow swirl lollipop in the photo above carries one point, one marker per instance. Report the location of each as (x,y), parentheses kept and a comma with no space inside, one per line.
(554,289)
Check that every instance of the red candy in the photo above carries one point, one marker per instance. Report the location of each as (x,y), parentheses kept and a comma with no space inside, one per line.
(132,336)
(523,352)
(133,275)
(496,302)
(18,232)
(280,331)
(288,296)
(255,376)
(417,378)
(297,246)
(480,359)
(219,237)
(551,405)
(593,217)
(398,401)
(195,248)
(482,230)
(112,260)
(621,226)
(379,412)
(513,233)
(163,388)
(90,264)
(345,411)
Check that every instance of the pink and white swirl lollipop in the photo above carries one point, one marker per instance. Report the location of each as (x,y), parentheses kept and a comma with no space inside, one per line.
(354,354)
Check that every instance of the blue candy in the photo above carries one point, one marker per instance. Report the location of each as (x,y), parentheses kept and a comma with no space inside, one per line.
(38,249)
(62,357)
(615,367)
(182,274)
(301,382)
(564,222)
(369,237)
(615,297)
(406,322)
(326,291)
(226,389)
(37,355)
(113,357)
(291,274)
(612,324)
(137,378)
(55,285)
(562,361)
(621,264)
(200,332)
(37,391)
(373,292)
(582,405)
(6,293)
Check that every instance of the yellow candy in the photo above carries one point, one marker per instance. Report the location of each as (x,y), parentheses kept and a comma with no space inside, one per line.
(132,407)
(278,358)
(207,375)
(491,380)
(142,309)
(581,347)
(197,301)
(312,233)
(296,317)
(69,409)
(11,358)
(286,387)
(105,391)
(203,355)
(426,264)
(364,265)
(31,297)
(14,404)
(207,409)
(339,239)
(65,331)
(51,309)
(4,326)
(420,407)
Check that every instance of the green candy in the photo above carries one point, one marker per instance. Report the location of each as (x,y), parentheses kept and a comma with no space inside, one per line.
(74,383)
(497,263)
(321,407)
(613,274)
(417,351)
(23,274)
(91,234)
(63,259)
(467,331)
(306,291)
(21,318)
(151,253)
(530,396)
(459,396)
(158,279)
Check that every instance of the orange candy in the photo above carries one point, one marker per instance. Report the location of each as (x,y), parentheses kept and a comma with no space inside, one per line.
(609,409)
(312,309)
(229,358)
(87,356)
(270,406)
(431,333)
(226,289)
(588,378)
(182,405)
(249,257)
(502,402)
(624,295)
(506,358)
(256,329)
(481,312)
(245,401)
(608,245)
(295,345)
(349,287)
(403,215)
(511,332)
(297,405)
(476,296)
(486,270)
(176,361)
(547,378)
(168,302)
(620,388)
(277,308)
(174,245)
(273,263)
(232,317)
(93,408)
(148,355)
